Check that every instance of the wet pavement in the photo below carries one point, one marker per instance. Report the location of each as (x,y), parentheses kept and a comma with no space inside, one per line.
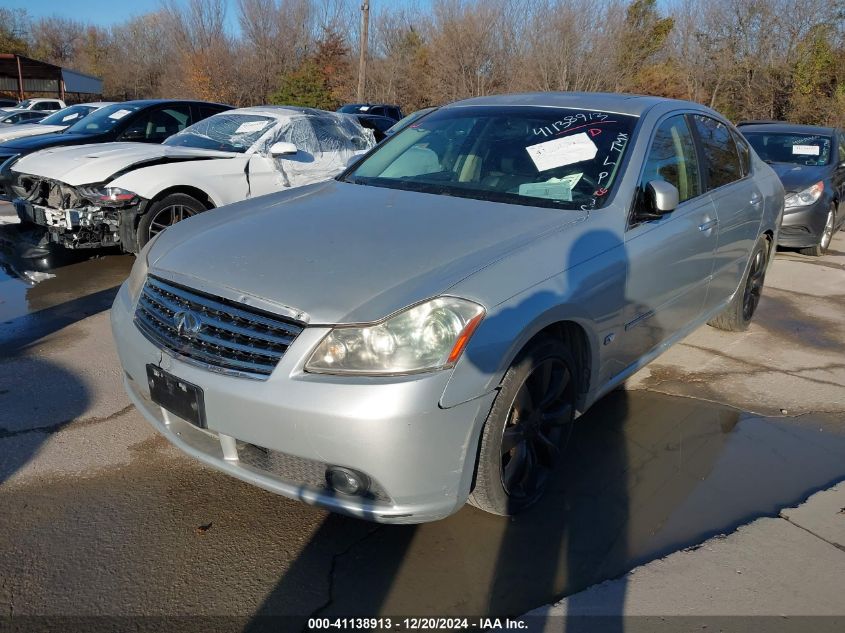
(43,289)
(102,516)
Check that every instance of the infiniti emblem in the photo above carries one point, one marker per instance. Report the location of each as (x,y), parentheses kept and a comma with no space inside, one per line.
(188,324)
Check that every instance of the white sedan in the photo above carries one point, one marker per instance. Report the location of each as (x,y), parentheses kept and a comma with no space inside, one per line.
(55,122)
(125,193)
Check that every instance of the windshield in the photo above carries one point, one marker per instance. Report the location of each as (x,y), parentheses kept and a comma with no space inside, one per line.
(798,149)
(224,132)
(550,157)
(68,115)
(401,124)
(354,108)
(103,119)
(26,103)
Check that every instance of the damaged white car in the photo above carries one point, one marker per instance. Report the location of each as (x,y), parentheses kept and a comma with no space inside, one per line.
(125,193)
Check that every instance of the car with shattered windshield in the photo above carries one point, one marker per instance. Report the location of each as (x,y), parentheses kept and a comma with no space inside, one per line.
(423,330)
(810,161)
(143,121)
(125,193)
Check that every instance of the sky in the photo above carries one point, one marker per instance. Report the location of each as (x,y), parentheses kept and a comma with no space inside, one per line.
(99,12)
(108,12)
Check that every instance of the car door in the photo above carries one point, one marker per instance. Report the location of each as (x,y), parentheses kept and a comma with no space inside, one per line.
(725,158)
(670,258)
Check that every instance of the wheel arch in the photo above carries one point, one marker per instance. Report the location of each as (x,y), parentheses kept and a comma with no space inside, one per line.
(574,335)
(477,374)
(194,192)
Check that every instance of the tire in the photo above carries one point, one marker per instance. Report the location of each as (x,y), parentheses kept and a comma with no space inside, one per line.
(829,229)
(164,213)
(736,317)
(508,482)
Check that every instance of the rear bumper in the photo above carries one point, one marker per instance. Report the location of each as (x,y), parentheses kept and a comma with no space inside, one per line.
(419,456)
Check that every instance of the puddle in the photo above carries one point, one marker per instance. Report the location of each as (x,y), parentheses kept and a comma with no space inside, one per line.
(43,289)
(646,475)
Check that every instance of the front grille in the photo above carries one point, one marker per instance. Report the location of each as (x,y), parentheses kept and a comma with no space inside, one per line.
(211,331)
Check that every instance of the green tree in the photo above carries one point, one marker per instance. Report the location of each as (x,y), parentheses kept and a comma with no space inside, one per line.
(814,77)
(321,79)
(644,35)
(304,87)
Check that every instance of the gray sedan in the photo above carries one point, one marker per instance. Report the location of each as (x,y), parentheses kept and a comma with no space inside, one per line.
(423,330)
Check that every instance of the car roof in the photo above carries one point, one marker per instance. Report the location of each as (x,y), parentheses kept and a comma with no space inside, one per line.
(632,104)
(367,115)
(98,104)
(280,111)
(784,127)
(149,102)
(369,105)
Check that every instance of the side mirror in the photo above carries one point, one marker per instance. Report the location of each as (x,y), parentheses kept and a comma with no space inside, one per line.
(658,199)
(664,196)
(283,149)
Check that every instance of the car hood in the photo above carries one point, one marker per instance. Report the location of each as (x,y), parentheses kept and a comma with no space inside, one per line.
(27,129)
(34,143)
(344,253)
(799,177)
(86,164)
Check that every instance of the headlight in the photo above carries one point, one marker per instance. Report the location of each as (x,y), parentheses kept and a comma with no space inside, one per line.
(425,337)
(804,198)
(109,196)
(138,275)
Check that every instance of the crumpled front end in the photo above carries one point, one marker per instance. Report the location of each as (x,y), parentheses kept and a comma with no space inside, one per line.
(70,214)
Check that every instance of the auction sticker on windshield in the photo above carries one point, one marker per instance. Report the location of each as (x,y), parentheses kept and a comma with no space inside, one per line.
(806,150)
(562,151)
(250,126)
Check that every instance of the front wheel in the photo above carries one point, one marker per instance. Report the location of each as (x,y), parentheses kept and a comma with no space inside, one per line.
(817,250)
(736,317)
(166,212)
(527,429)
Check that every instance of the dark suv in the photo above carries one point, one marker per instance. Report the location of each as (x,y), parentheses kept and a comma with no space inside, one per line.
(373,109)
(145,121)
(810,162)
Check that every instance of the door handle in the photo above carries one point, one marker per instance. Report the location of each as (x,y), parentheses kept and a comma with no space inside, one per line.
(709,224)
(756,199)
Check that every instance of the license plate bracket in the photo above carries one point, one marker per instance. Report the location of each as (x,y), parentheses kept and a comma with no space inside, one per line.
(178,396)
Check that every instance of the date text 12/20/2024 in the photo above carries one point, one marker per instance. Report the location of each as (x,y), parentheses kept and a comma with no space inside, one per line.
(416,624)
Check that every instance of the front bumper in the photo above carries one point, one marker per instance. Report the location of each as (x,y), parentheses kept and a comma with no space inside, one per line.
(83,227)
(421,457)
(803,226)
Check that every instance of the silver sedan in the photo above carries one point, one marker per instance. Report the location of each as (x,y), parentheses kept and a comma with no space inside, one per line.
(423,330)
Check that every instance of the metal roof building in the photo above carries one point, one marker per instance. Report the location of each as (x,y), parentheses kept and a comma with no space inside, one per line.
(22,75)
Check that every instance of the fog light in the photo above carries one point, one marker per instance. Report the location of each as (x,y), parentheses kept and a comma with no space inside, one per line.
(347,481)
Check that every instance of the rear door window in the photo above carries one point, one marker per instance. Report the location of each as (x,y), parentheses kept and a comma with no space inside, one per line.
(720,153)
(672,158)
